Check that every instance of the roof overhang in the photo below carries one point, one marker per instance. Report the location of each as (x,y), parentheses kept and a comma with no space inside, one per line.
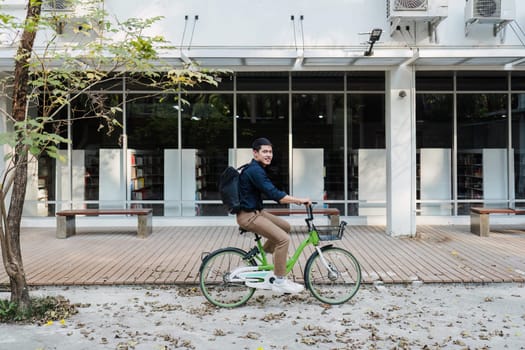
(470,58)
(451,58)
(333,58)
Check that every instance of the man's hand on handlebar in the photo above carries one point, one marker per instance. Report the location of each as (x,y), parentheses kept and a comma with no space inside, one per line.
(305,201)
(295,200)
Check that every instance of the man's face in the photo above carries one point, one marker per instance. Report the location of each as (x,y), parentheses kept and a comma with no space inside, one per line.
(264,155)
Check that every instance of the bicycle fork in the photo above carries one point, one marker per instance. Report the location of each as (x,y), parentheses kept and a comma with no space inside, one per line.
(333,273)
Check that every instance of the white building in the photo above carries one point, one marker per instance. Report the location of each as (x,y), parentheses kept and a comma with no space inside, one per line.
(420,124)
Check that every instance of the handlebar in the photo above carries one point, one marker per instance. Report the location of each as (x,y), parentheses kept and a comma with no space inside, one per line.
(310,217)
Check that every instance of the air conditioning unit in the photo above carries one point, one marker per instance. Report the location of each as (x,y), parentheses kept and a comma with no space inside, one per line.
(57,5)
(401,12)
(489,11)
(424,10)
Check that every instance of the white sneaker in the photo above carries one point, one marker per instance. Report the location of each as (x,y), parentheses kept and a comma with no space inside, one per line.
(287,286)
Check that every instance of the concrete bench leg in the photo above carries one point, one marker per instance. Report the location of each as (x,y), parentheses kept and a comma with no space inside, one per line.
(144,225)
(334,220)
(65,226)
(479,224)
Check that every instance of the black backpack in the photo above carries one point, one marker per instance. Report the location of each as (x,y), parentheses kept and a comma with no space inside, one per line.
(229,188)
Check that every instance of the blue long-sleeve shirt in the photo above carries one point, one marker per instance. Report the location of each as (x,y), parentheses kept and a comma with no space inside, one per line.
(253,182)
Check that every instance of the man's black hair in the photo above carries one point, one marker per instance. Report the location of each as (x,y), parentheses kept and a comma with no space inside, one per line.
(256,145)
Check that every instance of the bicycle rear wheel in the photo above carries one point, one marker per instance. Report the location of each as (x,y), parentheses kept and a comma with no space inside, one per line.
(337,283)
(214,278)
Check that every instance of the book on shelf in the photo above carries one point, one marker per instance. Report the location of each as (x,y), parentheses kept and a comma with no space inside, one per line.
(138,183)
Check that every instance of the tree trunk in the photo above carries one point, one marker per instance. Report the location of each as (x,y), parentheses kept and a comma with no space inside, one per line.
(15,267)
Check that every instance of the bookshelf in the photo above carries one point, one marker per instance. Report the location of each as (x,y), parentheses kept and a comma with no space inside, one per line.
(482,174)
(470,174)
(146,174)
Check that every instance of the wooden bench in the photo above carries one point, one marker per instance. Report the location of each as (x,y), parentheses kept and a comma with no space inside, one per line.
(66,219)
(332,213)
(479,218)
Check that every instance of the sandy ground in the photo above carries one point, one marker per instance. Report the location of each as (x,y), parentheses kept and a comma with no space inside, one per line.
(379,317)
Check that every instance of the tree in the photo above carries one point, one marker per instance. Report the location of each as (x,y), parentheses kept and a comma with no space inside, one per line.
(82,48)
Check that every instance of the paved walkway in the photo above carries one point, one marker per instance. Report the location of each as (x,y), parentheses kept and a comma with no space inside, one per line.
(171,255)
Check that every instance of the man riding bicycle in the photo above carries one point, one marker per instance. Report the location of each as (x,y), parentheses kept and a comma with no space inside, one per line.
(254,182)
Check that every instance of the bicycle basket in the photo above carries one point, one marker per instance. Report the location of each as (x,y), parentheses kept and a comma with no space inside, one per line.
(330,233)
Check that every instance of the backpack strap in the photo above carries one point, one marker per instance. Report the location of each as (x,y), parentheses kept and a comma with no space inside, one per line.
(242,167)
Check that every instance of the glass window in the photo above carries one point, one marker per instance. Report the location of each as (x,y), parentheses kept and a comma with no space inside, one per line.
(111,83)
(263,81)
(434,120)
(482,81)
(90,132)
(207,137)
(366,124)
(152,121)
(482,148)
(365,81)
(434,131)
(152,127)
(224,83)
(318,143)
(518,144)
(318,81)
(518,81)
(434,81)
(265,115)
(366,154)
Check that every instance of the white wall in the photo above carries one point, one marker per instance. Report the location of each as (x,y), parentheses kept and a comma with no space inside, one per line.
(308,173)
(179,190)
(112,192)
(330,24)
(436,180)
(327,22)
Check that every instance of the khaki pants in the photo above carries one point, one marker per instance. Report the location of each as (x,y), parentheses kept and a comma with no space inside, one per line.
(275,230)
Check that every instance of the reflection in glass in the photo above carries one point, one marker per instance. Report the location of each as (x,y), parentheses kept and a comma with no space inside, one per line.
(207,135)
(434,81)
(518,144)
(434,130)
(365,81)
(481,81)
(152,126)
(366,153)
(265,115)
(262,81)
(318,81)
(318,124)
(482,148)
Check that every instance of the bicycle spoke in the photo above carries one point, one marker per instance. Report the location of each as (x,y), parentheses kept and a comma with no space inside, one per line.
(337,283)
(215,278)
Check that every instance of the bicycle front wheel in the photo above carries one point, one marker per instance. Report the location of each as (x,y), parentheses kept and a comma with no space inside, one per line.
(338,280)
(214,278)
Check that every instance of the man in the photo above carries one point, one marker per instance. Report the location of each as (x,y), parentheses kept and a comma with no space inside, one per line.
(253,183)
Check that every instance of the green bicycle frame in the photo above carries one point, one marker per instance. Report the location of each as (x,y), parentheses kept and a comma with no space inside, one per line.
(313,238)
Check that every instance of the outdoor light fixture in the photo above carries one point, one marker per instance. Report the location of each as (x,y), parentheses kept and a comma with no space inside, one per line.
(375,34)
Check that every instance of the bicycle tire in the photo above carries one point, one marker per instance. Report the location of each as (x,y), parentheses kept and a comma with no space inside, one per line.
(329,287)
(213,273)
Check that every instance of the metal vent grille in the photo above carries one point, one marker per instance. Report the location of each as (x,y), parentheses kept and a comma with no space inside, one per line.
(404,5)
(487,8)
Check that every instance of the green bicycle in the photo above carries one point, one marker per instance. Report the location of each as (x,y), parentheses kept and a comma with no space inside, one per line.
(228,277)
